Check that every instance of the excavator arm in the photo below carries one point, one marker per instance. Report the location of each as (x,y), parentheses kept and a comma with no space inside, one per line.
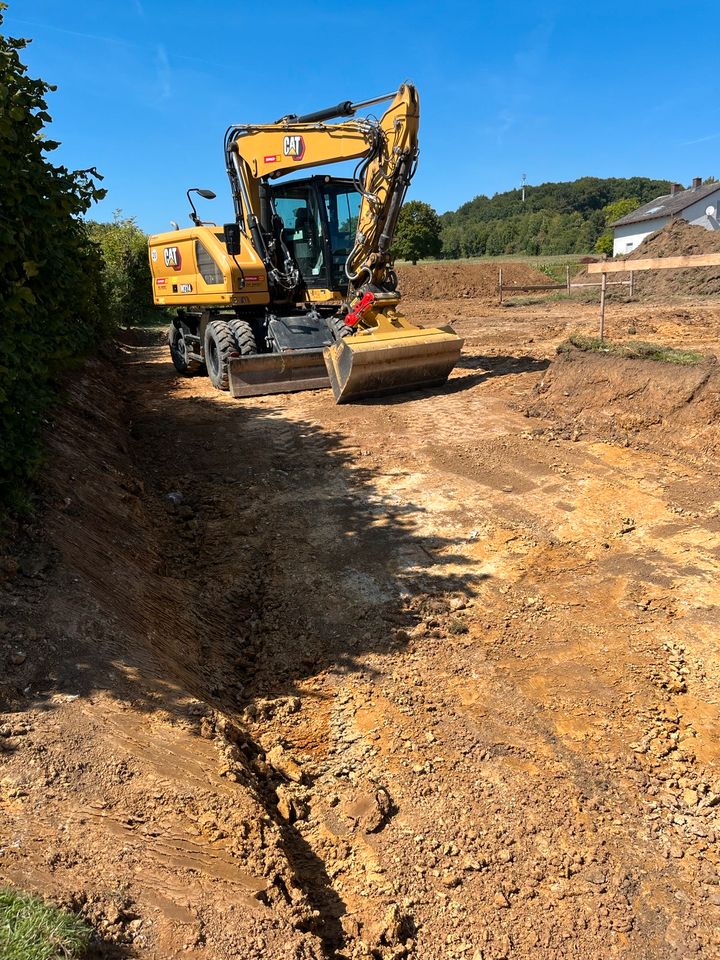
(379,350)
(388,149)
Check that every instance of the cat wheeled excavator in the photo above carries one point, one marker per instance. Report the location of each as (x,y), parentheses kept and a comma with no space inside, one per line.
(299,291)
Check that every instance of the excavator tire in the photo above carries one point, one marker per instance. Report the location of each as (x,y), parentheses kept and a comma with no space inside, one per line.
(339,328)
(244,337)
(219,348)
(179,352)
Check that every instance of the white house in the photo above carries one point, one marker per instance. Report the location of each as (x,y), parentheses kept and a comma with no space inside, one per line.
(700,205)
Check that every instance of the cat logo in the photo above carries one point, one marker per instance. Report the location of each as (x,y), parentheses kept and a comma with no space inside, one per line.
(172,257)
(294,146)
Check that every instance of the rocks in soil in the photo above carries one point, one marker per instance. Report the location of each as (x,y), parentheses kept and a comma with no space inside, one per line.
(371,810)
(284,763)
(8,568)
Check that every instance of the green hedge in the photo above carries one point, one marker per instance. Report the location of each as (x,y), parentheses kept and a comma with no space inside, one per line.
(52,299)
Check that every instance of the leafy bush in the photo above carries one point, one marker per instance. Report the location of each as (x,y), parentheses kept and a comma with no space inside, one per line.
(604,243)
(127,271)
(52,299)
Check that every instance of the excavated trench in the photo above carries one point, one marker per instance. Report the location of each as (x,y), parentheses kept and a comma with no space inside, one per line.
(419,677)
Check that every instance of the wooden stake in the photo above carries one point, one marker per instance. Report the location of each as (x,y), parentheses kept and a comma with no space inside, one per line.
(500,279)
(567,276)
(603,288)
(632,284)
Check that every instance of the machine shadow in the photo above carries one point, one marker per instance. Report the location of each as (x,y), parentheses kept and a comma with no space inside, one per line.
(479,369)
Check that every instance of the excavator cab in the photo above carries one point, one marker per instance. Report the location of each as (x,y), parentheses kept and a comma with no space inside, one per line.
(319,218)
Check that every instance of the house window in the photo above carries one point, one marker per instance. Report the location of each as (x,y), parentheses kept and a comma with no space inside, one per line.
(628,246)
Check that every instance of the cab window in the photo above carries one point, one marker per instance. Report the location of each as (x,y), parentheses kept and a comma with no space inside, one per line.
(302,229)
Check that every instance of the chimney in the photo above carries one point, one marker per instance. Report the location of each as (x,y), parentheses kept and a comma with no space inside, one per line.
(675,188)
(697,183)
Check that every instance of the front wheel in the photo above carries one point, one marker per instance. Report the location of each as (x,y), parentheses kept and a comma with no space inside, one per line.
(219,348)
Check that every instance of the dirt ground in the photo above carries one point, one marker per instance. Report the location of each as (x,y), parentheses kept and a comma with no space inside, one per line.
(432,676)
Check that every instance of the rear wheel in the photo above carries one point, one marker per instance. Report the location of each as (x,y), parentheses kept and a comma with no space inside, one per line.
(219,348)
(244,337)
(179,351)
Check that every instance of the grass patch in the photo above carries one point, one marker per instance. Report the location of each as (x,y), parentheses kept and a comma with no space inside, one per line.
(633,350)
(556,269)
(513,301)
(31,929)
(457,627)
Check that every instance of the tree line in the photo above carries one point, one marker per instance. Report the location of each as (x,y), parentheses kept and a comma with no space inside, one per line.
(555,218)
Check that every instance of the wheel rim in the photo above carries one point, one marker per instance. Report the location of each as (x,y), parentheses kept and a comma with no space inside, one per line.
(179,348)
(213,357)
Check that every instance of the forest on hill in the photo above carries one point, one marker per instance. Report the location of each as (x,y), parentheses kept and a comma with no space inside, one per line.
(555,218)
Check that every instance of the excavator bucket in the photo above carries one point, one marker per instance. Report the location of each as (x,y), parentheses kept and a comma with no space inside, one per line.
(263,373)
(374,363)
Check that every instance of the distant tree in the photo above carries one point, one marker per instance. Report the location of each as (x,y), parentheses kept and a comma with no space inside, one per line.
(127,272)
(604,243)
(612,212)
(619,208)
(418,232)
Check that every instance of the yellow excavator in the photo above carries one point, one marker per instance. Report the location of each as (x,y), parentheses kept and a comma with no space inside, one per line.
(299,291)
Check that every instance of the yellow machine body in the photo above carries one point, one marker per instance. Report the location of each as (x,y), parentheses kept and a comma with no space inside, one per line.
(264,300)
(191,267)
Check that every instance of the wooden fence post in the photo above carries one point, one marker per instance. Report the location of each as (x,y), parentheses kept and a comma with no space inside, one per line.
(567,276)
(603,288)
(500,282)
(632,283)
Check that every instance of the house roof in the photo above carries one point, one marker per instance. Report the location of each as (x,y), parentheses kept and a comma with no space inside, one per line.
(668,205)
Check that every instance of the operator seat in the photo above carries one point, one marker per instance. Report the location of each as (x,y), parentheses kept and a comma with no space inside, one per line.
(307,249)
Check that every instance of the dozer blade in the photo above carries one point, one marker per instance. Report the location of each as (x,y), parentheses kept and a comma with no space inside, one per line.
(264,373)
(376,363)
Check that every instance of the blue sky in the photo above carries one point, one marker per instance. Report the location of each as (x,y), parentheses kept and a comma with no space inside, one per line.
(555,90)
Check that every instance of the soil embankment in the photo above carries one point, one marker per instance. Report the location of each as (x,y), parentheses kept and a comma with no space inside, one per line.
(678,238)
(665,407)
(453,280)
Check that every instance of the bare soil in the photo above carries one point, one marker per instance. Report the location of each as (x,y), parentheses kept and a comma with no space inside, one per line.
(424,676)
(478,281)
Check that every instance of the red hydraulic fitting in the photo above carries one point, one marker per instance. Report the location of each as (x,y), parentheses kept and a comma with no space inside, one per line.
(367,301)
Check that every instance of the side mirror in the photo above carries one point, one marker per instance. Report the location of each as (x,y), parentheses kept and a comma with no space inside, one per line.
(232,238)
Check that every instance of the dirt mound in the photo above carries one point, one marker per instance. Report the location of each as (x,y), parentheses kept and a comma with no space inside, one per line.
(677,239)
(478,281)
(634,402)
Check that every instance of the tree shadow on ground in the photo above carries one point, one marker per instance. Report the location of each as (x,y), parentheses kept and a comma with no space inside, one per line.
(277,557)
